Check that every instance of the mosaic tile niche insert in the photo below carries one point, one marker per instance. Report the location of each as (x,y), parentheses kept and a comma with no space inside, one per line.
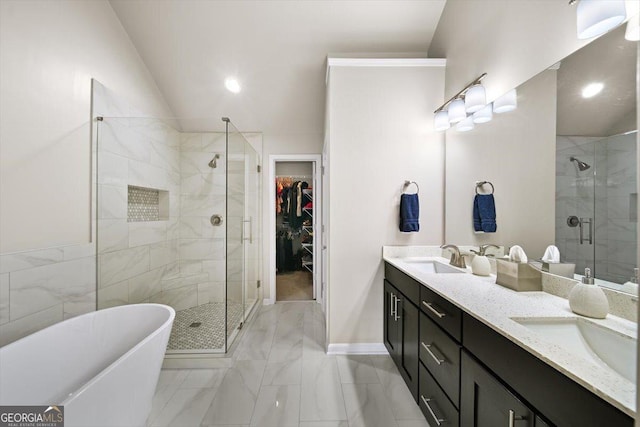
(147,204)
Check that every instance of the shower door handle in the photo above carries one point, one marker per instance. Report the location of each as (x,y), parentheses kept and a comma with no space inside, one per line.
(250,221)
(590,222)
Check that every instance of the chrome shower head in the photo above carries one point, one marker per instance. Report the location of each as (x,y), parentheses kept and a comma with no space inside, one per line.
(214,162)
(582,166)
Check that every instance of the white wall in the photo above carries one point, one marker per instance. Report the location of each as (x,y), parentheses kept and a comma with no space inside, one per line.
(49,51)
(516,152)
(380,135)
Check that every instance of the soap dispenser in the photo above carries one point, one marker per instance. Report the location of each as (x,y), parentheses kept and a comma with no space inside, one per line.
(480,265)
(587,299)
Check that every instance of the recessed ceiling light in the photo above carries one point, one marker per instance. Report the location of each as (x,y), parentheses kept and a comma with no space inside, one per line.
(232,84)
(592,89)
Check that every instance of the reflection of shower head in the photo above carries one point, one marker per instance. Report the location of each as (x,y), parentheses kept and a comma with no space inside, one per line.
(214,163)
(582,166)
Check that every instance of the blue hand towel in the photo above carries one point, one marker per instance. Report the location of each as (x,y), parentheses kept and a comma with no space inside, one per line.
(409,213)
(484,213)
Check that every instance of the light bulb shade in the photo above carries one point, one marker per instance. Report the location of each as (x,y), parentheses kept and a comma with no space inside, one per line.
(475,99)
(457,111)
(465,125)
(596,17)
(507,102)
(633,29)
(483,116)
(441,121)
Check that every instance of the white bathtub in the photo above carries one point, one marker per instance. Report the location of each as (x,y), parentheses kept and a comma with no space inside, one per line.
(102,366)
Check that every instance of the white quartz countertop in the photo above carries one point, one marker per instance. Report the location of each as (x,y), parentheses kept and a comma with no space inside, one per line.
(495,305)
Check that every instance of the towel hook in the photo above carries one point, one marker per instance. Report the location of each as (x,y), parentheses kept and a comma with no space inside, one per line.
(408,183)
(481,184)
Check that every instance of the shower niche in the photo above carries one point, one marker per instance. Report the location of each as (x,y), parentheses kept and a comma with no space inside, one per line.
(157,189)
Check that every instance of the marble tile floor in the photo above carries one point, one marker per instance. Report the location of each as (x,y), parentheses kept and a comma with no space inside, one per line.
(280,376)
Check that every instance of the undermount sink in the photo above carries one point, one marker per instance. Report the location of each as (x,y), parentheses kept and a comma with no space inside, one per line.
(589,341)
(431,267)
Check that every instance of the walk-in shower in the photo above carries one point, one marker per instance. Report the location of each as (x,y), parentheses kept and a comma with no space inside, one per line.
(177,224)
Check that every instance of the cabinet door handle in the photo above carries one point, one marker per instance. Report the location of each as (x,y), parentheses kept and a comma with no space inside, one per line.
(431,307)
(391,305)
(513,418)
(433,414)
(439,360)
(396,313)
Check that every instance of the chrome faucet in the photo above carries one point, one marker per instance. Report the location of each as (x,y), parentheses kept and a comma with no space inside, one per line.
(482,249)
(457,259)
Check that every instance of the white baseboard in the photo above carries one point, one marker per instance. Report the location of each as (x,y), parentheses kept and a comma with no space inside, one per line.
(268,301)
(357,348)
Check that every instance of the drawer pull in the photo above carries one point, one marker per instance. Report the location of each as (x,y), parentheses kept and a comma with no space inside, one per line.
(396,310)
(439,360)
(433,414)
(513,418)
(431,307)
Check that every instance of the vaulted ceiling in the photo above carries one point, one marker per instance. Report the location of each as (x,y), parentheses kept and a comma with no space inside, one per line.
(277,50)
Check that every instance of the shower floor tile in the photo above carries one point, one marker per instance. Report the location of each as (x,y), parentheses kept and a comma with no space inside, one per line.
(209,335)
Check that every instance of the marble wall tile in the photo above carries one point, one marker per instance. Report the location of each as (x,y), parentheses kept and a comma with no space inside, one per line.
(79,251)
(81,304)
(190,227)
(121,265)
(163,253)
(214,142)
(165,156)
(160,130)
(209,249)
(191,141)
(113,235)
(201,206)
(116,137)
(113,295)
(190,266)
(4,298)
(112,169)
(180,298)
(24,326)
(147,232)
(142,287)
(42,287)
(211,292)
(112,202)
(145,175)
(197,162)
(181,280)
(215,268)
(30,259)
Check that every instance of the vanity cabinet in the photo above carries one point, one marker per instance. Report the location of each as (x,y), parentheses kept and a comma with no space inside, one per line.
(462,372)
(401,329)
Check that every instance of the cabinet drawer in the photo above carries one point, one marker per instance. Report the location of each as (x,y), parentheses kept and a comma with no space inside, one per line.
(434,403)
(442,312)
(405,284)
(441,355)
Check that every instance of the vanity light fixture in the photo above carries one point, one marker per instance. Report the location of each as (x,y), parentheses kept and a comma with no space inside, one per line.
(505,103)
(232,84)
(475,99)
(441,121)
(466,125)
(469,100)
(596,17)
(592,89)
(456,111)
(483,116)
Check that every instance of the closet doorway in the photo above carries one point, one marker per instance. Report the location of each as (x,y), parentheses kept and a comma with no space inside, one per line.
(295,210)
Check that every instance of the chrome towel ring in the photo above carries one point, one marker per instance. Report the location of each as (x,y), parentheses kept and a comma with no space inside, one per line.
(408,183)
(480,184)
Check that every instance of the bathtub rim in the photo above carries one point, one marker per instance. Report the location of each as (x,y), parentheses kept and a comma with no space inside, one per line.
(113,365)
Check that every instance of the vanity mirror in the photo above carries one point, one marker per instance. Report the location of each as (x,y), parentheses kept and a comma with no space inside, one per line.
(564,164)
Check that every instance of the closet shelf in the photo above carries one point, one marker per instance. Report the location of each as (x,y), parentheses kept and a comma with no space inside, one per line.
(309,248)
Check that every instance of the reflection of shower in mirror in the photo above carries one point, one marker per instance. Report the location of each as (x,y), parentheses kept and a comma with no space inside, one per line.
(582,166)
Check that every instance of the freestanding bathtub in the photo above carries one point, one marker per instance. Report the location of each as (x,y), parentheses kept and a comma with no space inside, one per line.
(102,366)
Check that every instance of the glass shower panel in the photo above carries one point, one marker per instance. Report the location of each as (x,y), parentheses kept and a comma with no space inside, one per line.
(236,169)
(575,204)
(252,228)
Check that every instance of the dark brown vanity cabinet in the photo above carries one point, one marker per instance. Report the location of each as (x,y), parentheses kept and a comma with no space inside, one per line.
(463,373)
(401,329)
